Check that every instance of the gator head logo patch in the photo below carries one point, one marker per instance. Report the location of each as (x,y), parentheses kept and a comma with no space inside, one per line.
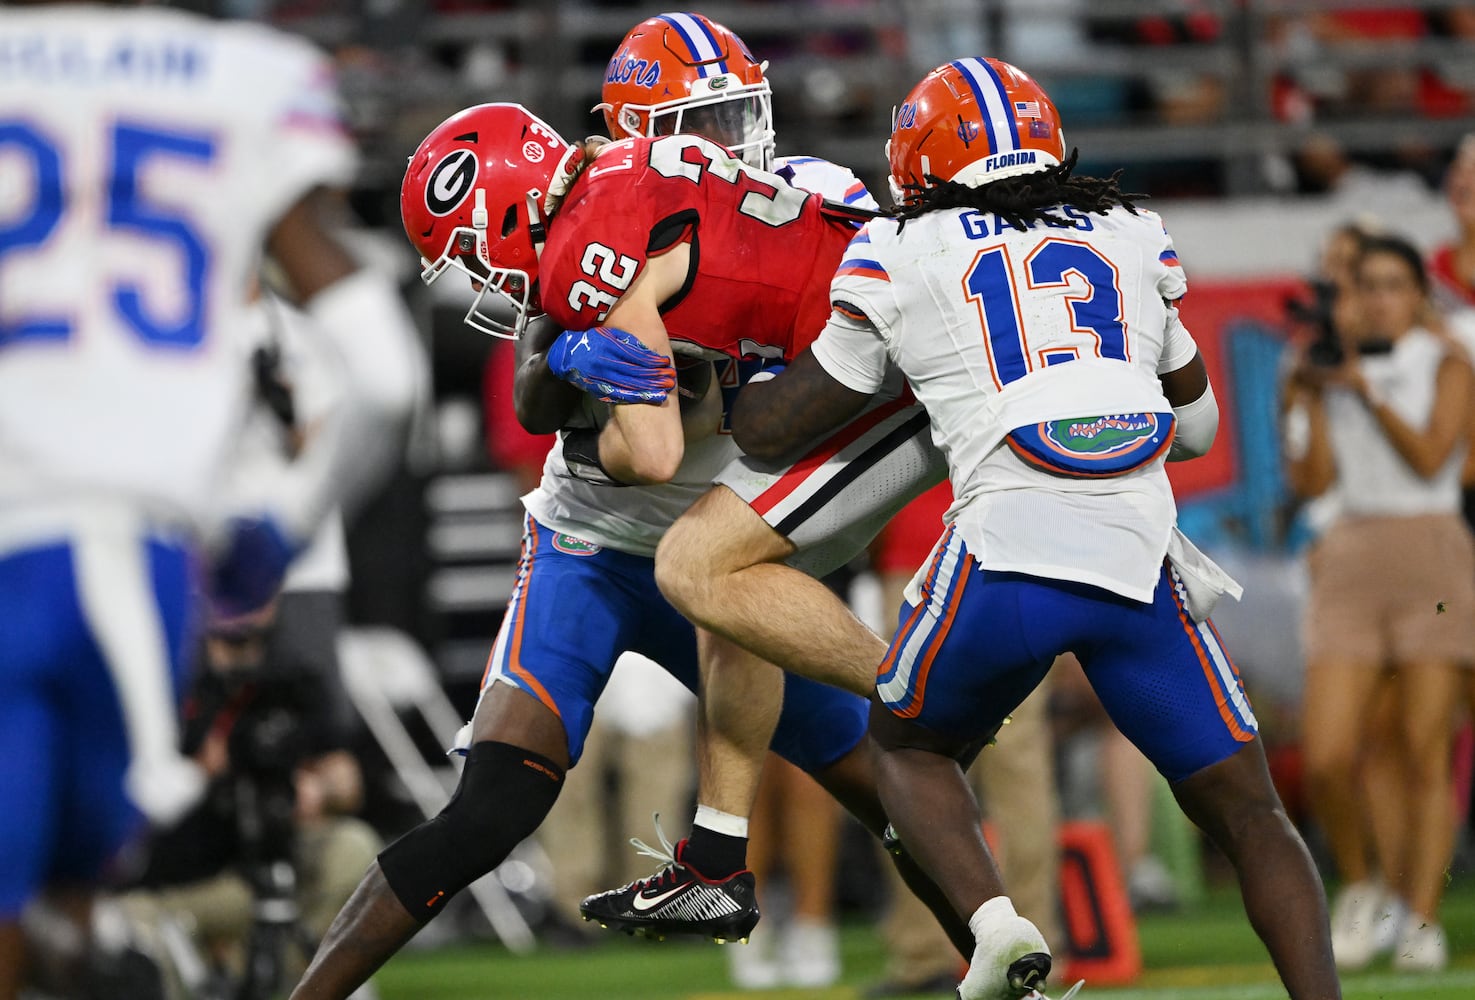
(1094,447)
(574,546)
(1102,435)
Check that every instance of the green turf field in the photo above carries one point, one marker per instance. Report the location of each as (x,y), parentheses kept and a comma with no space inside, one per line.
(1206,954)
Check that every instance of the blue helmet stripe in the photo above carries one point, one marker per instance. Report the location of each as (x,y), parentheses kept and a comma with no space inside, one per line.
(1004,105)
(988,124)
(712,40)
(993,105)
(699,40)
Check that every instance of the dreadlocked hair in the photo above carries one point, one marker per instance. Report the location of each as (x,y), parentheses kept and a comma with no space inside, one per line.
(1024,199)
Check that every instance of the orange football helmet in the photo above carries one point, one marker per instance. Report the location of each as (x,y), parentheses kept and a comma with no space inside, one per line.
(475,199)
(679,73)
(972,121)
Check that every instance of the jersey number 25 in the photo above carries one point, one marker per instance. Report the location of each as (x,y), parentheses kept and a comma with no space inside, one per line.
(126,211)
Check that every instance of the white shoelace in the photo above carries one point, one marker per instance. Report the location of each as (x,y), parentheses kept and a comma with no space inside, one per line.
(665,854)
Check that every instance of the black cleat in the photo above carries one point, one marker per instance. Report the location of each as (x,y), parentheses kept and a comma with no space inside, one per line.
(1029,972)
(678,899)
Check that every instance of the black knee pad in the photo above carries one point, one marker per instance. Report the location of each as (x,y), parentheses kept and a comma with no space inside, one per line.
(504,793)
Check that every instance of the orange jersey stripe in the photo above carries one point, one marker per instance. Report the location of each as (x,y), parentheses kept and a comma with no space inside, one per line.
(923,599)
(920,689)
(514,648)
(1221,698)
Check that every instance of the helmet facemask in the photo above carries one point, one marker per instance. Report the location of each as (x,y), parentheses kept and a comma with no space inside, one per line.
(467,251)
(736,115)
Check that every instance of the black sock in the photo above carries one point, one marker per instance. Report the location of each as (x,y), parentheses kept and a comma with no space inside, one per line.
(715,855)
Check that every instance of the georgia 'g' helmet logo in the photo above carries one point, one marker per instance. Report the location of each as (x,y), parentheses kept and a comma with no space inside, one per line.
(450,182)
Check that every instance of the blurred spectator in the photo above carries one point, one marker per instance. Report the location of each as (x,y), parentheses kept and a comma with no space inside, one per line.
(1384,431)
(1330,314)
(1327,74)
(1178,93)
(1324,167)
(1452,266)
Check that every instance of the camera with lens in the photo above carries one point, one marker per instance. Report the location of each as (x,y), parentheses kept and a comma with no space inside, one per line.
(1316,314)
(266,744)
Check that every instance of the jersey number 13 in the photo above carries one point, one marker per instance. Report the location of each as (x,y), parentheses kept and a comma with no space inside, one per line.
(992,285)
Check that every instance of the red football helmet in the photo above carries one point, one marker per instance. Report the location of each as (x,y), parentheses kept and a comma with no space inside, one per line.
(972,121)
(686,73)
(475,198)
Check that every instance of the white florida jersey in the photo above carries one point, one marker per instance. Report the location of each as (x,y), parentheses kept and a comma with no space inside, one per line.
(633,518)
(145,155)
(997,329)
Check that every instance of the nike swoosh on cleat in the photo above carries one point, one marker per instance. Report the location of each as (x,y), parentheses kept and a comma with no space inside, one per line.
(644,903)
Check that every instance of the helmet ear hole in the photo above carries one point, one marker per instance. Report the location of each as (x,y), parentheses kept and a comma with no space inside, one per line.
(509,221)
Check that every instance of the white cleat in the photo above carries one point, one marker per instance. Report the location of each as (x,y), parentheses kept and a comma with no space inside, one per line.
(1010,957)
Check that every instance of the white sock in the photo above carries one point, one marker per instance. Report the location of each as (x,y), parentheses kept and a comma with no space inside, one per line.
(720,822)
(990,912)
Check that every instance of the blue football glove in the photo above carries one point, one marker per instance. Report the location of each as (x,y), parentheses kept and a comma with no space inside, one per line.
(248,572)
(612,365)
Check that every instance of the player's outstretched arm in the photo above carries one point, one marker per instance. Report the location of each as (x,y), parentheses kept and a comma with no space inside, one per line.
(360,313)
(801,404)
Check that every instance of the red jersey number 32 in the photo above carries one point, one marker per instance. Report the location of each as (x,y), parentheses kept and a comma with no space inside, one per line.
(614,270)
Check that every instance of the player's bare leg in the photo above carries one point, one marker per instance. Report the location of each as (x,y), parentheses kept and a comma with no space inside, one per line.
(1235,803)
(375,923)
(742,697)
(852,781)
(721,565)
(933,810)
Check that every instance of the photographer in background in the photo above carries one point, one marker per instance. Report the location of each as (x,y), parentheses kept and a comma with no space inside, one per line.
(1383,430)
(264,722)
(1332,310)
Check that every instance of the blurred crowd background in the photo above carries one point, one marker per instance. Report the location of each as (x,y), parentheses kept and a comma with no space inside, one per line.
(1260,128)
